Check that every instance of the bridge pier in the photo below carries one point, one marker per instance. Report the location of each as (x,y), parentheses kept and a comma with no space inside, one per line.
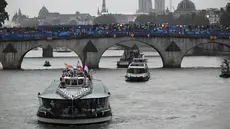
(172,64)
(92,60)
(172,60)
(47,52)
(10,61)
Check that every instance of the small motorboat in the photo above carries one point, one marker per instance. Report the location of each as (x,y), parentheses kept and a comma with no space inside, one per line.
(225,72)
(47,64)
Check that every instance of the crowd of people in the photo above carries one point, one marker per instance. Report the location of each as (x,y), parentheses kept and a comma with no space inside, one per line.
(65,30)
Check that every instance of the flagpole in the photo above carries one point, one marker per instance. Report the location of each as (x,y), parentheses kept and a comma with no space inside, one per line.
(84,61)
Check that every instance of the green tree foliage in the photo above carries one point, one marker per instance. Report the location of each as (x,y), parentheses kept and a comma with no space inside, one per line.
(192,19)
(143,19)
(165,18)
(225,16)
(189,19)
(3,14)
(105,19)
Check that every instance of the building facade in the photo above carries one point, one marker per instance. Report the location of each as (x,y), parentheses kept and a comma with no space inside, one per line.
(160,6)
(145,6)
(52,18)
(213,15)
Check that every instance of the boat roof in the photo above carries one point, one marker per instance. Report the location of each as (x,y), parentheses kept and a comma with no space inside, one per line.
(137,65)
(74,77)
(98,91)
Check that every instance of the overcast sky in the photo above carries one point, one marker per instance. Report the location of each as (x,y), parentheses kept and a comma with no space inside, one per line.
(32,7)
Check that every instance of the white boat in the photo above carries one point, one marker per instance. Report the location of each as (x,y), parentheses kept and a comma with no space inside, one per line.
(225,70)
(138,70)
(76,99)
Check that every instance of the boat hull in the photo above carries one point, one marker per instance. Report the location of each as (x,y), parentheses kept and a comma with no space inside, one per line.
(75,121)
(137,78)
(123,64)
(225,75)
(46,65)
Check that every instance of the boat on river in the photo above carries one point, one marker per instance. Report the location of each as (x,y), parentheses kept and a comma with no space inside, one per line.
(225,71)
(138,70)
(128,56)
(76,98)
(47,64)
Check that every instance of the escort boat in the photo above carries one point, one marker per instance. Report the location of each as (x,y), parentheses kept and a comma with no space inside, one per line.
(138,70)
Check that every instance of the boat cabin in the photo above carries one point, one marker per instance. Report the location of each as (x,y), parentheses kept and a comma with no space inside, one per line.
(140,60)
(137,68)
(74,79)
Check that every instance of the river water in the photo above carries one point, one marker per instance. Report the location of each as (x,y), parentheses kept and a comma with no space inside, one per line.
(187,98)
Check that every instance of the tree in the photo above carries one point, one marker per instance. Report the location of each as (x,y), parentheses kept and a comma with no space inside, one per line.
(192,19)
(143,19)
(200,19)
(225,16)
(3,14)
(105,19)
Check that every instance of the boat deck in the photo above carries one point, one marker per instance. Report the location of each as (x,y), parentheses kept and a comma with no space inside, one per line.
(98,91)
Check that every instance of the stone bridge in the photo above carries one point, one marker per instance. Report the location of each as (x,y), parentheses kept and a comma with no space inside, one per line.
(171,49)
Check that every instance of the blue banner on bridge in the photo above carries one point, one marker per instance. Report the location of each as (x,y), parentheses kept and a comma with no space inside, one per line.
(84,31)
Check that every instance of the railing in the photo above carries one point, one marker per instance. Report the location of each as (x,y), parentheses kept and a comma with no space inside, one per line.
(64,93)
(108,33)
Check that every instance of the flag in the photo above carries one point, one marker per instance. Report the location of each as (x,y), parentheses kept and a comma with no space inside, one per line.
(86,68)
(79,66)
(49,38)
(69,66)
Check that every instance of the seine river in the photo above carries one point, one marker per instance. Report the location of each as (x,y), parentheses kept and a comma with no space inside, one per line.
(193,97)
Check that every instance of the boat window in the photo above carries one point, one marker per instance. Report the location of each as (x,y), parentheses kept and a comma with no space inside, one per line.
(80,81)
(67,81)
(74,82)
(136,71)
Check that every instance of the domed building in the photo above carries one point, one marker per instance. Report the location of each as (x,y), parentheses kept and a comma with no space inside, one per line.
(54,18)
(185,7)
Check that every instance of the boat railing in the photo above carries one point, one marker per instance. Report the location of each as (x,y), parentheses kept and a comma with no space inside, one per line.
(64,93)
(81,93)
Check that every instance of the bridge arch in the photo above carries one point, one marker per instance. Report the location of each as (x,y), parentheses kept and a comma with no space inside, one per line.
(200,44)
(101,52)
(23,54)
(1,65)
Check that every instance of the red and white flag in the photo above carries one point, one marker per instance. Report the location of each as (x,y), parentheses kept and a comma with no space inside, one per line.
(79,66)
(86,68)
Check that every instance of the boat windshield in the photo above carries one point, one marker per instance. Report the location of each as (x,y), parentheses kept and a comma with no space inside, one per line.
(74,82)
(137,70)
